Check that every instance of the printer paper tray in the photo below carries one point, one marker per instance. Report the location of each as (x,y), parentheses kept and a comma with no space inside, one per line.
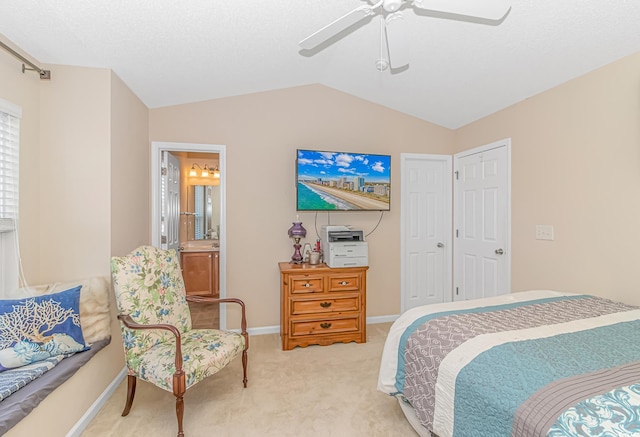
(361,261)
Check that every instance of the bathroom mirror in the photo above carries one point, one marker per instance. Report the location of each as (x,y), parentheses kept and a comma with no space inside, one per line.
(203,205)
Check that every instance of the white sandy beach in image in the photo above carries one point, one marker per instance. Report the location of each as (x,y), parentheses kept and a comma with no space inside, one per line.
(360,201)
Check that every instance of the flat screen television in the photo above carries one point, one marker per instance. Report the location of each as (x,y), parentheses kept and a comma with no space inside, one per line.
(342,181)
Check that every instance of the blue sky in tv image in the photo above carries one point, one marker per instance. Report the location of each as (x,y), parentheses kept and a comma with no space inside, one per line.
(341,181)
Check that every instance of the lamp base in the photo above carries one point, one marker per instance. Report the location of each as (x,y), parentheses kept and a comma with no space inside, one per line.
(297,256)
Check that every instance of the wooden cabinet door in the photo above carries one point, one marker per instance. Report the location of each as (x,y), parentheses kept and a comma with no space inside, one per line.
(197,272)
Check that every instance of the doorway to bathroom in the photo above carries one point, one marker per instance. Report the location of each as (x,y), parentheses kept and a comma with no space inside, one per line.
(163,215)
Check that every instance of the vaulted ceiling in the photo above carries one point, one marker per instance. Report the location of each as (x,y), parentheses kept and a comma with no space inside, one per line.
(460,70)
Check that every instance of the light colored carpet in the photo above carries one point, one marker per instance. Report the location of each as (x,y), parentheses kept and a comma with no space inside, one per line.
(313,391)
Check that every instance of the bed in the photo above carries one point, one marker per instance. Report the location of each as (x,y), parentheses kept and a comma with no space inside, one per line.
(535,363)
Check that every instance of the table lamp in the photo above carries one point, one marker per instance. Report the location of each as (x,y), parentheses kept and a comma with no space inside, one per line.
(297,232)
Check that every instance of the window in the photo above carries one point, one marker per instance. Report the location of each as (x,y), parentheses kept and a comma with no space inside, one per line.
(10,115)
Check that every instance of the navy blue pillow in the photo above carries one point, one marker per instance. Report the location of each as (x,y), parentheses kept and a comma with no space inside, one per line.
(36,328)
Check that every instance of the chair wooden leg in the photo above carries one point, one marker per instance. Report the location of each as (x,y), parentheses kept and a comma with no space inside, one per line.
(180,414)
(131,392)
(244,367)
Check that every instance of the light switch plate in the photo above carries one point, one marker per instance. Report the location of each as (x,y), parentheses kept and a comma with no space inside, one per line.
(544,232)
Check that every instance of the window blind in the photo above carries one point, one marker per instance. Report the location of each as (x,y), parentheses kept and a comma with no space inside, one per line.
(10,115)
(9,165)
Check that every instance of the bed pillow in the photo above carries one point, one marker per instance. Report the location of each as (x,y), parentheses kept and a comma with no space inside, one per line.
(36,328)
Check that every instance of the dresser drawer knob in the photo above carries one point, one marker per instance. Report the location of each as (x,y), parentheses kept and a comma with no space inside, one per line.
(325,304)
(325,325)
(307,285)
(344,283)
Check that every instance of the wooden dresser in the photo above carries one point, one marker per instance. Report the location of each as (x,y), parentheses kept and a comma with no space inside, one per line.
(322,305)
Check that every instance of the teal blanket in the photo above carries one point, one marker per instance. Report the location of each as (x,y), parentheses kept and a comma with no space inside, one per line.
(505,376)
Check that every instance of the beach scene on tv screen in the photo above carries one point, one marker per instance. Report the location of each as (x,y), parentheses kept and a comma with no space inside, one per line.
(343,181)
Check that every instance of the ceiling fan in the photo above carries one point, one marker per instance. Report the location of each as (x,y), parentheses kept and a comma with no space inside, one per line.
(392,17)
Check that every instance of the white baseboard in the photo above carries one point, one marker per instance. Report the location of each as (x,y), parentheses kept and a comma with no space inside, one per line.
(276,329)
(264,330)
(382,319)
(93,410)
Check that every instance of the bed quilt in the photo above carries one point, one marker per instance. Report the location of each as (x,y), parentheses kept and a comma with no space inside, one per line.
(527,364)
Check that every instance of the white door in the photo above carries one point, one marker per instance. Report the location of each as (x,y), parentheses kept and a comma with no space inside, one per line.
(170,202)
(425,230)
(482,221)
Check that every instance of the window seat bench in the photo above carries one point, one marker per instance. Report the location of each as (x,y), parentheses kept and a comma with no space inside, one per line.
(14,408)
(95,321)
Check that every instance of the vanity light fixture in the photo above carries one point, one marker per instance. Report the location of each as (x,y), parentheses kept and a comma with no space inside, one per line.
(204,172)
(214,171)
(194,173)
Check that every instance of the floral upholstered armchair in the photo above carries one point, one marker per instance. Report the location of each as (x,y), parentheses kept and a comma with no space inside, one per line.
(159,343)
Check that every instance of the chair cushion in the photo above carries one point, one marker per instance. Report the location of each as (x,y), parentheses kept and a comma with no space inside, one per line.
(205,352)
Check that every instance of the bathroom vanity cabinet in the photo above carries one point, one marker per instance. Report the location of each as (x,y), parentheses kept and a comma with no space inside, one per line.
(201,272)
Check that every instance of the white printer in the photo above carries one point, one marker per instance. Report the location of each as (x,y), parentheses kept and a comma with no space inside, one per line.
(344,247)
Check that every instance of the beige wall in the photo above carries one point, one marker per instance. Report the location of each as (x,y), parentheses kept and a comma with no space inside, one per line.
(576,166)
(70,128)
(74,154)
(129,170)
(261,133)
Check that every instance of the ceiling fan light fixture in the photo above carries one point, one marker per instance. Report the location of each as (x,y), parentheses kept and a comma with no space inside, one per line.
(391,5)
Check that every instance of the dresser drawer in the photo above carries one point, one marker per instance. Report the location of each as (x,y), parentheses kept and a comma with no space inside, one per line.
(315,306)
(306,284)
(344,282)
(322,327)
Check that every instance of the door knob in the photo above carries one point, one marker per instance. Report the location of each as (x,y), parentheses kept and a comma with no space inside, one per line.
(440,244)
(499,251)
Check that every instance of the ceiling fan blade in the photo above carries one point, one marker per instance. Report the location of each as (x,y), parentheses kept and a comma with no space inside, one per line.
(336,27)
(397,41)
(487,9)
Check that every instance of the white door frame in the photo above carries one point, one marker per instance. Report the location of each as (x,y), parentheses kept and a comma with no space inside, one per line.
(448,256)
(501,143)
(157,147)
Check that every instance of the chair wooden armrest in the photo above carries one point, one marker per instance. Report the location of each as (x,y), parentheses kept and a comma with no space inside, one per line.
(243,322)
(132,324)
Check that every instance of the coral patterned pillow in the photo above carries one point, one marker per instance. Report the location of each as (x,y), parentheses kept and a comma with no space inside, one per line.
(36,328)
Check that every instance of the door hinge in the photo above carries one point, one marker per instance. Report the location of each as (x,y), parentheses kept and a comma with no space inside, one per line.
(457,291)
(456,172)
(163,239)
(163,171)
(457,233)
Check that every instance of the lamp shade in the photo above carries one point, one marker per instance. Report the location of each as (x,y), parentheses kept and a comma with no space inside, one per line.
(297,231)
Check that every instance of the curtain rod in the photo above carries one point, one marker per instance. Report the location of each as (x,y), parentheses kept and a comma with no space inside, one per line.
(44,74)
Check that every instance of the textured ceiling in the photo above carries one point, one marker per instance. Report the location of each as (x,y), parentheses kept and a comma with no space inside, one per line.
(171,52)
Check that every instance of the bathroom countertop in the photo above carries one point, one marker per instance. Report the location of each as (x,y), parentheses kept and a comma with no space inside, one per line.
(201,249)
(200,246)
